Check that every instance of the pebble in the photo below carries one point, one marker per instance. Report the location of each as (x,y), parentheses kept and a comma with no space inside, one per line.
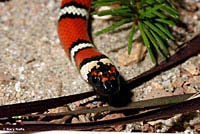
(177,83)
(17,86)
(192,68)
(166,83)
(136,55)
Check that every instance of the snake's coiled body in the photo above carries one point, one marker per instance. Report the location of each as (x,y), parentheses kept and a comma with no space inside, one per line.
(94,67)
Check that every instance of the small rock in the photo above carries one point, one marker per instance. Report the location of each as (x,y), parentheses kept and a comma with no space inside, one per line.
(178,91)
(190,5)
(198,5)
(58,110)
(62,120)
(18,86)
(156,85)
(195,121)
(114,116)
(51,5)
(148,128)
(148,89)
(193,69)
(118,128)
(197,127)
(166,83)
(77,103)
(84,118)
(178,83)
(136,55)
(188,89)
(81,119)
(75,120)
(93,105)
(196,81)
(23,85)
(5,78)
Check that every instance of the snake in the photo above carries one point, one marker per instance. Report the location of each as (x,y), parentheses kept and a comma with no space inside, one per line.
(94,67)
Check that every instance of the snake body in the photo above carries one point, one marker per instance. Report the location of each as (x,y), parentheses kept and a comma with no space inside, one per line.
(94,67)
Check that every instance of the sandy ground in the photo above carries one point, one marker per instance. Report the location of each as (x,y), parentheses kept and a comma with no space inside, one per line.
(33,65)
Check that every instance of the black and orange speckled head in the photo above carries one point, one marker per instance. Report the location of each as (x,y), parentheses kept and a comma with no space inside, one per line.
(104,79)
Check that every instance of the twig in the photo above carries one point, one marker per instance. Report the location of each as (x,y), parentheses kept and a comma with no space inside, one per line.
(157,102)
(184,107)
(38,106)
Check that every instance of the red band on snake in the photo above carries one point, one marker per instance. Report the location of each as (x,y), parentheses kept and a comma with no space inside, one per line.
(94,67)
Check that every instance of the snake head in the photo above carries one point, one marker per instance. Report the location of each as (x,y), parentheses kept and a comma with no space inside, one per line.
(104,79)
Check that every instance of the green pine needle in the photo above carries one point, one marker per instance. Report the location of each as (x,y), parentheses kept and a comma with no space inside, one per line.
(113,26)
(130,39)
(170,11)
(156,29)
(151,17)
(146,42)
(149,12)
(116,12)
(165,21)
(153,42)
(164,30)
(160,43)
(160,15)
